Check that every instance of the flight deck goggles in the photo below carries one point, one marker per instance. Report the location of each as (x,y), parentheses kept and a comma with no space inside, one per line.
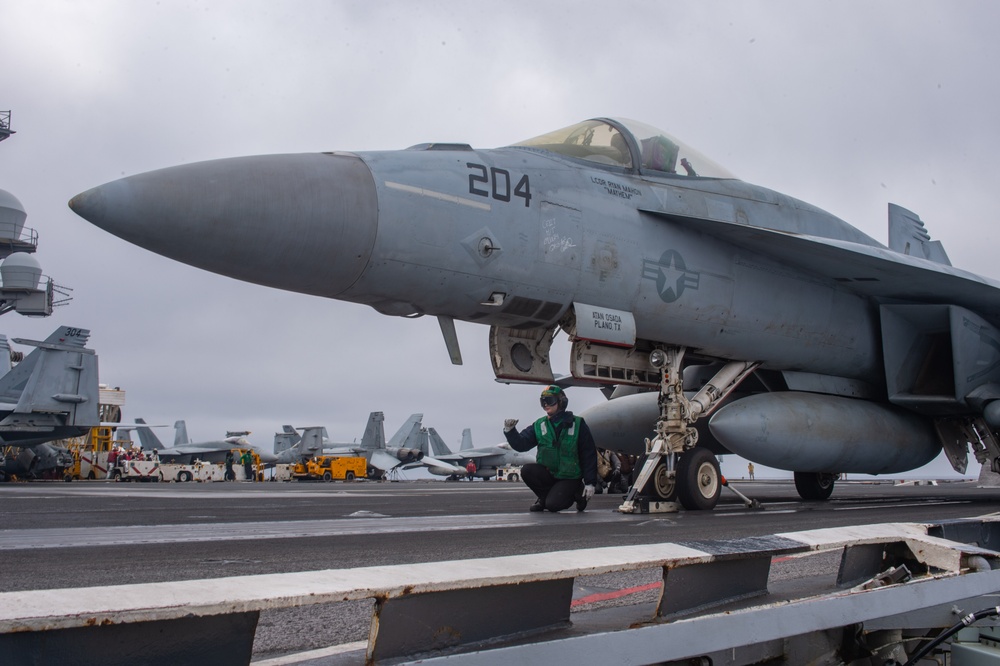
(549,400)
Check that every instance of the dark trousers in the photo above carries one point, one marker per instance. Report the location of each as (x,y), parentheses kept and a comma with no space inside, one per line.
(554,494)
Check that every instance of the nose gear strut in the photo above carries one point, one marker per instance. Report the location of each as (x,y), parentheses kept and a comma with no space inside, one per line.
(699,482)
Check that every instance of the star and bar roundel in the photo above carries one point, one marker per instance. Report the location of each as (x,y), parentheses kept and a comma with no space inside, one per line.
(670,274)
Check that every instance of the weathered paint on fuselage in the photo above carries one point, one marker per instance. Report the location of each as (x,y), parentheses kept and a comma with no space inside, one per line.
(586,234)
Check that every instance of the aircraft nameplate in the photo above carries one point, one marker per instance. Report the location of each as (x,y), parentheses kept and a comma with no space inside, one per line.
(605,325)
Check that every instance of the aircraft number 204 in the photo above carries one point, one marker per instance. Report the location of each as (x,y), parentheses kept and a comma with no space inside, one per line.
(496,183)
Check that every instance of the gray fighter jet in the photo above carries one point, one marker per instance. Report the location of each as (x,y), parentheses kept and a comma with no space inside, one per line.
(315,441)
(402,450)
(486,458)
(661,266)
(185,451)
(51,394)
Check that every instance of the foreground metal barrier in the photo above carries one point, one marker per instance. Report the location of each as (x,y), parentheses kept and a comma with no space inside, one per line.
(517,609)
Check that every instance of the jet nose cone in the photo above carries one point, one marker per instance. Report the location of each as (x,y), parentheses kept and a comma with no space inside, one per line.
(304,223)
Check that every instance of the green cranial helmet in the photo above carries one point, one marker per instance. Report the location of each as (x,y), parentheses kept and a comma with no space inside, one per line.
(553,395)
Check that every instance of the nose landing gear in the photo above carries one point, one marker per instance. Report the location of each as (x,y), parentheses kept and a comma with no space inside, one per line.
(675,468)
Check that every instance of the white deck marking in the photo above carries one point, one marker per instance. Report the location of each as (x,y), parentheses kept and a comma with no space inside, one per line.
(71,537)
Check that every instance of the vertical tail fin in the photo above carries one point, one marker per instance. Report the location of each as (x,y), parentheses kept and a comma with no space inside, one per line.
(181,433)
(5,363)
(286,439)
(466,439)
(312,440)
(423,442)
(56,384)
(908,235)
(147,438)
(437,445)
(374,437)
(406,431)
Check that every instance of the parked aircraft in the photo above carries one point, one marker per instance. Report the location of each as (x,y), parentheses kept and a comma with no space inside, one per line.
(402,449)
(185,450)
(315,441)
(38,461)
(51,394)
(850,355)
(487,458)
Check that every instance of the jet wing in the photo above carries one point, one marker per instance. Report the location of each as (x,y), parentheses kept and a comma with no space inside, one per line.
(873,271)
(448,456)
(427,461)
(434,462)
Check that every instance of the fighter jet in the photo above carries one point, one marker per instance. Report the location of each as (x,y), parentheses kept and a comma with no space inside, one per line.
(402,450)
(45,460)
(850,355)
(184,450)
(51,394)
(315,441)
(487,458)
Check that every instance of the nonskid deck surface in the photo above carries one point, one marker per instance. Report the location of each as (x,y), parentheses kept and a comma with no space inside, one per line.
(166,532)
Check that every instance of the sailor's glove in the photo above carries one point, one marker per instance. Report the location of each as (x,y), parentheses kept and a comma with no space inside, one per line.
(588,492)
(509,424)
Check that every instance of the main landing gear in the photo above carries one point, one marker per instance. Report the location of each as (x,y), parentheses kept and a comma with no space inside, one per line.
(676,469)
(815,486)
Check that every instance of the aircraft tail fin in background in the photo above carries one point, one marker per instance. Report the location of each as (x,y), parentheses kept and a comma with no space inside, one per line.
(907,235)
(286,439)
(312,441)
(406,432)
(181,433)
(466,439)
(416,439)
(56,382)
(5,362)
(437,445)
(374,437)
(147,438)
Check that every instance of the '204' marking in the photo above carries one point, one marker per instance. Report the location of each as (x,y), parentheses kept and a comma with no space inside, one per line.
(495,183)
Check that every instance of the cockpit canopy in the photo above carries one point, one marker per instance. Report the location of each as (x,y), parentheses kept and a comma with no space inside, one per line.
(628,144)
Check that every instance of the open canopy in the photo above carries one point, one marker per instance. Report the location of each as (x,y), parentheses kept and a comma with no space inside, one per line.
(628,144)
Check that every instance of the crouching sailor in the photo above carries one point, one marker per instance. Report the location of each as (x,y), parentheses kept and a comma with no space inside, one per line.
(565,470)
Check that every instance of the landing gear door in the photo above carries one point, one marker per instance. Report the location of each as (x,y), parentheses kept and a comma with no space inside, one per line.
(604,349)
(604,325)
(522,355)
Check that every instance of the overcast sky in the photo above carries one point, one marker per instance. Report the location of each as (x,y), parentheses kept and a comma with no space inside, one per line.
(846,105)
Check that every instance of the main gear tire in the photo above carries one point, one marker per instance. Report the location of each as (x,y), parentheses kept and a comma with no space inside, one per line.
(815,486)
(699,480)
